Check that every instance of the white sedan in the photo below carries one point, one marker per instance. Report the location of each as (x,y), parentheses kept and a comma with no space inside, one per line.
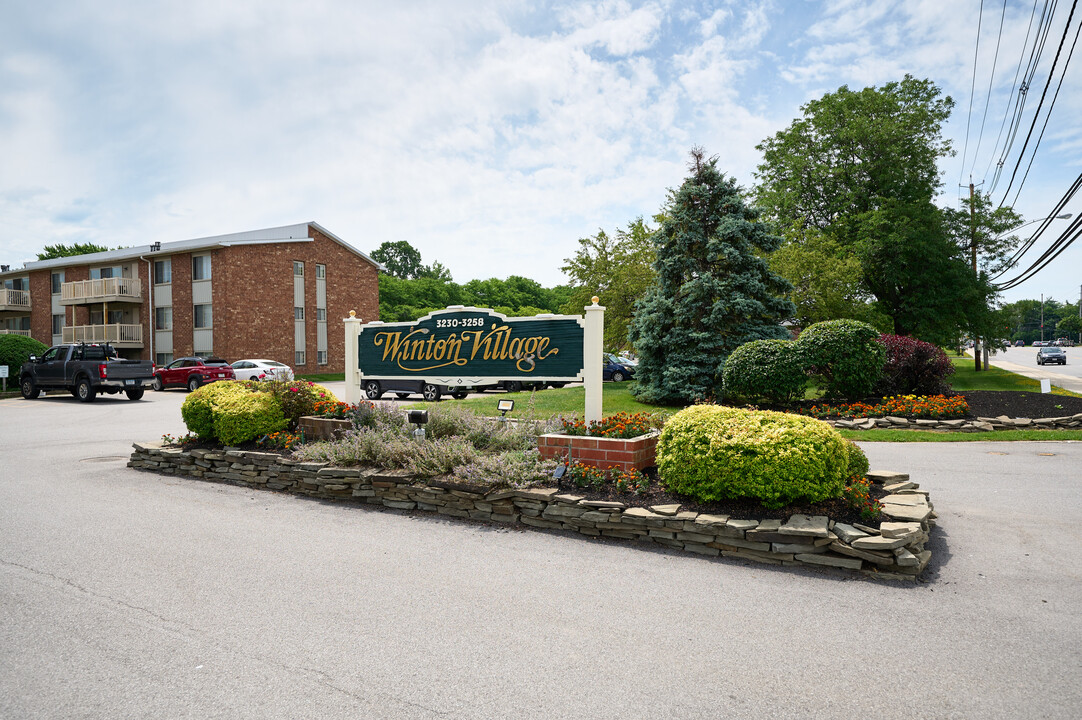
(262,370)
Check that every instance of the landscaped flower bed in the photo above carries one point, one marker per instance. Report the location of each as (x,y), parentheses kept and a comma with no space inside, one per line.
(914,406)
(624,441)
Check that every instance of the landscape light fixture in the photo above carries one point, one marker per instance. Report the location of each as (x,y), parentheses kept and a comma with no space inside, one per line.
(505,406)
(417,418)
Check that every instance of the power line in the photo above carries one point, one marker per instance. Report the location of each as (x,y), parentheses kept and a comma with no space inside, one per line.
(1049,115)
(1044,93)
(1044,25)
(1045,223)
(1014,84)
(972,90)
(988,95)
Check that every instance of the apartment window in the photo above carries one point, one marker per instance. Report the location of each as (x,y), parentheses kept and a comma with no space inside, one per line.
(298,269)
(116,317)
(104,273)
(58,322)
(163,271)
(163,359)
(321,314)
(321,271)
(203,317)
(200,267)
(57,279)
(163,318)
(321,357)
(298,313)
(97,317)
(17,284)
(298,357)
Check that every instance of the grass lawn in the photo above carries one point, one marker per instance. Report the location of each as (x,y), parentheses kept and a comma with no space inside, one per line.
(966,378)
(325,377)
(615,398)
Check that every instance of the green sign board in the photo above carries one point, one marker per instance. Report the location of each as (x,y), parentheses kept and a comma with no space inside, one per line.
(462,345)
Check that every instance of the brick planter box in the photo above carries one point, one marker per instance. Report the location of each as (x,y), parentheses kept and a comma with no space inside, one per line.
(625,454)
(317,428)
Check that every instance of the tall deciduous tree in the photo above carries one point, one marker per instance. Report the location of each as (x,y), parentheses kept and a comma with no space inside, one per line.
(713,291)
(618,269)
(60,250)
(860,167)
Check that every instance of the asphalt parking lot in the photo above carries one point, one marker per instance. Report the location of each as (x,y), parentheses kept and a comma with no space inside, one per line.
(127,594)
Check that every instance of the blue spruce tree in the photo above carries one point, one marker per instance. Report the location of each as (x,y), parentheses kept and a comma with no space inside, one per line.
(714,291)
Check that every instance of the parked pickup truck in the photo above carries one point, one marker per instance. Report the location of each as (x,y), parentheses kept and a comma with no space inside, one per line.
(85,370)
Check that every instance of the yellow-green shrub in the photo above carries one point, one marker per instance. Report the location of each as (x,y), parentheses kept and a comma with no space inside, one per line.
(297,398)
(239,418)
(198,408)
(712,452)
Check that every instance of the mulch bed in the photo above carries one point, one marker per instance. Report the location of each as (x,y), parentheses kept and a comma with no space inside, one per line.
(993,403)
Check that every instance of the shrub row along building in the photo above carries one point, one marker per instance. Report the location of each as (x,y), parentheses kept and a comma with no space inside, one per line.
(278,293)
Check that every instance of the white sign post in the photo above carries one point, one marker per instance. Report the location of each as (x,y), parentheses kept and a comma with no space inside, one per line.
(353,371)
(592,349)
(4,375)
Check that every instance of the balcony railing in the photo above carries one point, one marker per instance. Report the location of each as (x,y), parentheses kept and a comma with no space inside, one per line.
(120,335)
(24,333)
(103,290)
(14,300)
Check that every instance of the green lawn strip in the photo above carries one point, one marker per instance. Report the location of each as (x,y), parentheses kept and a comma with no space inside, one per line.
(967,378)
(615,398)
(325,377)
(932,436)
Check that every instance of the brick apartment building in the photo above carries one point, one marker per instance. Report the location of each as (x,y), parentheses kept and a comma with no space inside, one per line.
(279,293)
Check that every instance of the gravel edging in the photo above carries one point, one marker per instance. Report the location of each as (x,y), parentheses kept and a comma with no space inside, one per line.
(894,551)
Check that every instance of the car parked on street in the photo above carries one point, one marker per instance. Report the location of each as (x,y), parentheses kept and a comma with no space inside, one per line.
(1020,343)
(615,370)
(262,370)
(192,372)
(1051,355)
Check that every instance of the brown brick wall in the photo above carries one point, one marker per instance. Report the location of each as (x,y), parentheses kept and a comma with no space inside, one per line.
(253,300)
(41,306)
(183,315)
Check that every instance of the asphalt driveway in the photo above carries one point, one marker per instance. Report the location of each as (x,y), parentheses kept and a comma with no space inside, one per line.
(127,594)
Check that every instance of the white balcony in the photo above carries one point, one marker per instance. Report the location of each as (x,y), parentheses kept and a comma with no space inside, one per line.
(14,301)
(121,336)
(106,290)
(24,333)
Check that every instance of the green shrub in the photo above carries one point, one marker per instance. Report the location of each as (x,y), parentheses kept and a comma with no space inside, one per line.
(845,355)
(242,417)
(858,461)
(771,370)
(14,351)
(296,397)
(198,408)
(713,452)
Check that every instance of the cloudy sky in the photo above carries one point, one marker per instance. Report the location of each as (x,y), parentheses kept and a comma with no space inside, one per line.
(490,135)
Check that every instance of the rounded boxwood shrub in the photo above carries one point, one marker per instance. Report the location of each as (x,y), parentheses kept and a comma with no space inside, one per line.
(771,370)
(296,397)
(713,452)
(858,461)
(913,367)
(198,408)
(14,351)
(845,355)
(242,417)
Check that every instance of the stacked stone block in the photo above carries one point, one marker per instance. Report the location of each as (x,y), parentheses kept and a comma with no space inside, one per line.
(895,550)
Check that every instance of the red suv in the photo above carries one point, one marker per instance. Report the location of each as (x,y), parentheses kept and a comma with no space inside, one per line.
(191,372)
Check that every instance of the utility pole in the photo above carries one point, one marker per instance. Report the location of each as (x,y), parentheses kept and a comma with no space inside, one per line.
(978,346)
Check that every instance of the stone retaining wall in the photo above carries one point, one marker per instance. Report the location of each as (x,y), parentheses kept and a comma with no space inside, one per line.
(981,424)
(896,550)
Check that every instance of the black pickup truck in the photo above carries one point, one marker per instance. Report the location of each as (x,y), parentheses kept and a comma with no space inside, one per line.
(84,371)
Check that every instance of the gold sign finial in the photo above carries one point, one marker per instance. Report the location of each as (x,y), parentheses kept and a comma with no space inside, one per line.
(595,299)
(353,313)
